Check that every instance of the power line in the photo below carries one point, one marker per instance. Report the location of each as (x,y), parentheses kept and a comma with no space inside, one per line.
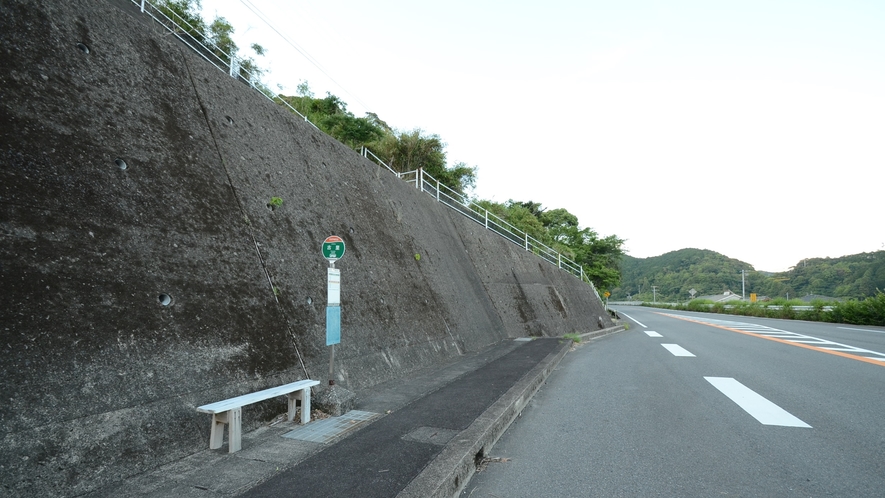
(255,10)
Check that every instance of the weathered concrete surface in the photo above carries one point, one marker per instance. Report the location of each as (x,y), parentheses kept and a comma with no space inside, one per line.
(99,377)
(334,400)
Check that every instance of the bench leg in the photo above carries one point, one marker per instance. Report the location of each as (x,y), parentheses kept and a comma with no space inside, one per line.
(293,397)
(234,430)
(234,421)
(216,432)
(304,396)
(305,405)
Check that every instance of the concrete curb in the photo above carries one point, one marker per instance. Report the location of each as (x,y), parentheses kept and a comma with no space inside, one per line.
(589,336)
(449,472)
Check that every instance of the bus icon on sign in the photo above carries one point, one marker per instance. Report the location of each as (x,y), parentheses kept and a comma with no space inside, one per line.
(333,248)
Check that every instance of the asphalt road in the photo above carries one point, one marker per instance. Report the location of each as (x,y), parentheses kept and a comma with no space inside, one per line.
(736,406)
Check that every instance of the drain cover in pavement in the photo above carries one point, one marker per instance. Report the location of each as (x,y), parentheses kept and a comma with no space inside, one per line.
(323,431)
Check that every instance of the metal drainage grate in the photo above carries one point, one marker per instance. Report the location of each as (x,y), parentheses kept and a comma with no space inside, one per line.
(323,431)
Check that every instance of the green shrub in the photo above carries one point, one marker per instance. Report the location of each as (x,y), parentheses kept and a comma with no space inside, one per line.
(786,311)
(870,311)
(699,305)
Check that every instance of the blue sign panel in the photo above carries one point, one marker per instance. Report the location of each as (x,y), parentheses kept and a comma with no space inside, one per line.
(333,325)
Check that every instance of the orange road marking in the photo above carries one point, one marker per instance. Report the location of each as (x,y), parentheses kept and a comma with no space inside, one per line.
(783,341)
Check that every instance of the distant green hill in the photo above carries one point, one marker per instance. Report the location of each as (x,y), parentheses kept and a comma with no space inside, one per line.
(854,276)
(708,272)
(675,273)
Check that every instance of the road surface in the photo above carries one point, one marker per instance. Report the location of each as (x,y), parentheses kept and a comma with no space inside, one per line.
(698,404)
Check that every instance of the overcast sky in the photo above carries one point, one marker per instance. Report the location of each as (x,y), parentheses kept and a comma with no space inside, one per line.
(752,128)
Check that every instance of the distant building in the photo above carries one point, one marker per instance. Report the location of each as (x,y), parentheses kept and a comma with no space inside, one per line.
(721,298)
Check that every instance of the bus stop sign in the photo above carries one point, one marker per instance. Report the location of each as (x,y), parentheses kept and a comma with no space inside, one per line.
(333,248)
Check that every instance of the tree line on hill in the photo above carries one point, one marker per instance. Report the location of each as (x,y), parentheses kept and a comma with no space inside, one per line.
(407,150)
(675,273)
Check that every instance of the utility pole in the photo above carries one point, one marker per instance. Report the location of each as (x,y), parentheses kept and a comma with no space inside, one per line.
(654,294)
(742,285)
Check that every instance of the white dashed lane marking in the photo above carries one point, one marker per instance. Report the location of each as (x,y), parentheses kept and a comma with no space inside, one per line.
(677,350)
(652,333)
(635,320)
(756,405)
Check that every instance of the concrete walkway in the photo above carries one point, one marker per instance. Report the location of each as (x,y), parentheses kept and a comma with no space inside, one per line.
(429,433)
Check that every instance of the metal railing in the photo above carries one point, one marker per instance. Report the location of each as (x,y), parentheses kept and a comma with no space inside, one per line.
(228,63)
(209,51)
(462,204)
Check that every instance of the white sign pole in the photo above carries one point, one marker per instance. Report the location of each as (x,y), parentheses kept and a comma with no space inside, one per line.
(333,302)
(333,249)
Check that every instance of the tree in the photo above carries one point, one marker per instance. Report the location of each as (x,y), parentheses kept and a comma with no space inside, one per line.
(410,150)
(351,131)
(599,257)
(185,17)
(330,114)
(562,226)
(216,37)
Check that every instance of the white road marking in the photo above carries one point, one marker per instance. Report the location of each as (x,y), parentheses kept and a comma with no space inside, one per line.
(787,336)
(677,350)
(652,333)
(863,330)
(757,406)
(635,320)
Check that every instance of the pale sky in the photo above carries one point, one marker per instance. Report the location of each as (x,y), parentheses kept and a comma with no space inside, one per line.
(752,128)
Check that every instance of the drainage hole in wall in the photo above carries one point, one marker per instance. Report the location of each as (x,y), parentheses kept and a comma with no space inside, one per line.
(83,48)
(479,457)
(351,229)
(164,299)
(309,301)
(229,120)
(121,163)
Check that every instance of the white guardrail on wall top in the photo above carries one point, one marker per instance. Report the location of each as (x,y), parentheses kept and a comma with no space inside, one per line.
(461,203)
(422,181)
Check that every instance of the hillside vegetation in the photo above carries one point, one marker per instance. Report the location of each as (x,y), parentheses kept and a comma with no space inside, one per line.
(673,274)
(408,150)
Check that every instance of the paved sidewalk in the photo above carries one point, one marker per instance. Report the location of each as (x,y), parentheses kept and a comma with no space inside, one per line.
(424,441)
(381,459)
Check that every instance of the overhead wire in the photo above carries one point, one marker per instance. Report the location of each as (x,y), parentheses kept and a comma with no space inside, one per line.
(263,17)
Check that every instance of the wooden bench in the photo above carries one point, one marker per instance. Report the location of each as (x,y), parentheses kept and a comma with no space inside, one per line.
(229,411)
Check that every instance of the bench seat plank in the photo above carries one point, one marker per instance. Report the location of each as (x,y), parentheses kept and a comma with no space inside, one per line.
(248,399)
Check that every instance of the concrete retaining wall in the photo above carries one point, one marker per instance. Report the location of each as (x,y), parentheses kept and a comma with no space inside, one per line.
(100,378)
